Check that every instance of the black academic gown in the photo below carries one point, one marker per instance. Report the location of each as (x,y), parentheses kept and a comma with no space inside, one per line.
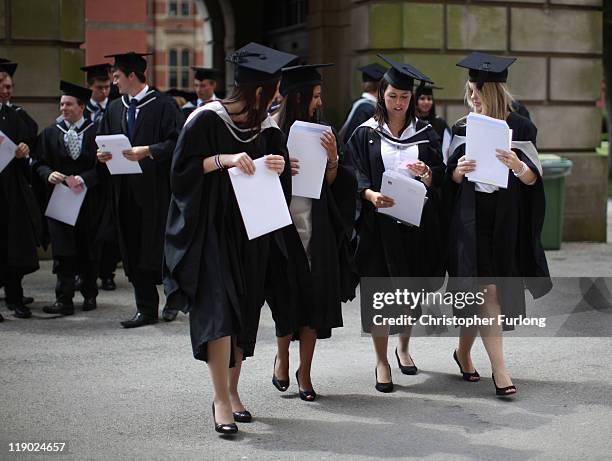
(51,155)
(312,295)
(362,113)
(32,126)
(439,125)
(91,111)
(157,126)
(214,271)
(387,248)
(21,223)
(519,258)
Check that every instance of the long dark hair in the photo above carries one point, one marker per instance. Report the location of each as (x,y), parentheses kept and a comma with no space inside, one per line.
(382,116)
(295,107)
(247,92)
(432,112)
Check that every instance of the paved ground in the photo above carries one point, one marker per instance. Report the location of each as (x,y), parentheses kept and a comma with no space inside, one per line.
(138,394)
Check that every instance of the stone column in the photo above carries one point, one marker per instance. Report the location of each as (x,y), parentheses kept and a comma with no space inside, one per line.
(43,36)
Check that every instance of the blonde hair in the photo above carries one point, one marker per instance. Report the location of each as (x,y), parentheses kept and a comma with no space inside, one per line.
(495,98)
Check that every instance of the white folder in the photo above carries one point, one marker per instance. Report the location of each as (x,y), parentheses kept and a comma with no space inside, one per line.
(116,144)
(261,199)
(304,143)
(65,204)
(408,195)
(484,135)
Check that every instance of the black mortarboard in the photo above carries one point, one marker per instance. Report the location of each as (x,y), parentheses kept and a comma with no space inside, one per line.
(486,67)
(99,71)
(426,89)
(204,73)
(300,76)
(7,66)
(372,72)
(131,61)
(401,75)
(187,95)
(255,63)
(70,89)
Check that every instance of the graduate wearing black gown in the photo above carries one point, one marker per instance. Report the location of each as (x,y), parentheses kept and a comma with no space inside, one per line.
(21,225)
(363,109)
(214,271)
(386,247)
(317,267)
(6,92)
(75,248)
(495,232)
(425,97)
(151,120)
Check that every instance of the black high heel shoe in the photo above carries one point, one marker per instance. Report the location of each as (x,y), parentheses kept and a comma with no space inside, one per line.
(307,396)
(281,385)
(503,391)
(466,376)
(230,428)
(383,387)
(406,369)
(244,416)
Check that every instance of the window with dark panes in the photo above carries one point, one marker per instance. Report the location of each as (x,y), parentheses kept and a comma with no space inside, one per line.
(172,7)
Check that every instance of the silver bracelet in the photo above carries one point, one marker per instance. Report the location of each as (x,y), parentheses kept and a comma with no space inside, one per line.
(524,169)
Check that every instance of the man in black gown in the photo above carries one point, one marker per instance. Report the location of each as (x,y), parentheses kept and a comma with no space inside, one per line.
(66,154)
(151,120)
(363,109)
(204,84)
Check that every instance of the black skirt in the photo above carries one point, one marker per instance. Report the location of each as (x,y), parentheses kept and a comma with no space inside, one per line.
(486,208)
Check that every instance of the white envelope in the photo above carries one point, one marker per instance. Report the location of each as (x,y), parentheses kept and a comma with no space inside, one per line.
(408,195)
(484,135)
(116,144)
(304,143)
(261,199)
(7,150)
(65,204)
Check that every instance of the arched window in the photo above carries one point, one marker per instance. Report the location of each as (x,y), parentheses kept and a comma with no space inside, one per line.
(178,68)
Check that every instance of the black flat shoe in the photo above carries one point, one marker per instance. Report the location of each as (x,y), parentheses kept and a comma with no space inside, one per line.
(281,384)
(59,307)
(108,284)
(406,369)
(224,429)
(139,320)
(27,300)
(243,416)
(383,387)
(471,377)
(89,304)
(169,313)
(503,391)
(21,312)
(306,396)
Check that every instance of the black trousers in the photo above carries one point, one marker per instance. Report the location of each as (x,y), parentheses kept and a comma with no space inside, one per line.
(110,258)
(66,267)
(145,292)
(12,286)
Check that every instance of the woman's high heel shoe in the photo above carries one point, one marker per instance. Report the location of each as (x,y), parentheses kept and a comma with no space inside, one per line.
(307,396)
(406,369)
(503,391)
(383,387)
(230,428)
(281,385)
(471,377)
(244,416)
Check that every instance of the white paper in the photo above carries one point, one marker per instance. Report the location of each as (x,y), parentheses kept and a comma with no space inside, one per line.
(116,144)
(408,195)
(7,150)
(261,199)
(65,204)
(445,145)
(304,143)
(484,135)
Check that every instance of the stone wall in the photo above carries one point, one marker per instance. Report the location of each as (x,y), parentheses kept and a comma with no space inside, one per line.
(558,44)
(43,36)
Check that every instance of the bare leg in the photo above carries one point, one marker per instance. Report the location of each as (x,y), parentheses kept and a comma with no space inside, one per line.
(232,382)
(464,349)
(403,347)
(492,338)
(380,337)
(218,364)
(308,340)
(281,369)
